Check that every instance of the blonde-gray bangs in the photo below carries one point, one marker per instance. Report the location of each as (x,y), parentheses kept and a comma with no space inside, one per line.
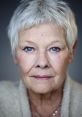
(34,12)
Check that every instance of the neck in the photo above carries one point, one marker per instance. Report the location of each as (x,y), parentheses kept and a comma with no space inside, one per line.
(45,103)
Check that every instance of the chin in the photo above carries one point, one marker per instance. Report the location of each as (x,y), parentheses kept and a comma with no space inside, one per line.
(41,89)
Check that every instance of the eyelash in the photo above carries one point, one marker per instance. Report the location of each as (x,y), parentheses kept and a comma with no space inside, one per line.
(52,49)
(55,49)
(28,49)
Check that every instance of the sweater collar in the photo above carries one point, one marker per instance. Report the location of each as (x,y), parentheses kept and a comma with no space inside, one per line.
(24,100)
(66,99)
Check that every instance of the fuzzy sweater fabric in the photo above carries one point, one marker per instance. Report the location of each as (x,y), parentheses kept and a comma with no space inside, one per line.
(14,101)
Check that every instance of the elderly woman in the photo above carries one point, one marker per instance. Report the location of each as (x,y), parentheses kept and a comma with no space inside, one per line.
(43,35)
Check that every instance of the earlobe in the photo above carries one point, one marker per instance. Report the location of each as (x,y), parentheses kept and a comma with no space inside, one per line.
(71,56)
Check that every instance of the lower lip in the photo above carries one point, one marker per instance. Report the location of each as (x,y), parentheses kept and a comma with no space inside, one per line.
(42,78)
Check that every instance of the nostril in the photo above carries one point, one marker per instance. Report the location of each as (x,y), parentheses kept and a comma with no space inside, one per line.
(40,66)
(46,66)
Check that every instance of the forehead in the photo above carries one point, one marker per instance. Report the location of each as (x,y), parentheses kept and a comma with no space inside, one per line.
(44,32)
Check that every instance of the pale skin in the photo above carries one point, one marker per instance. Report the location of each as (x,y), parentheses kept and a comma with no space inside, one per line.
(43,58)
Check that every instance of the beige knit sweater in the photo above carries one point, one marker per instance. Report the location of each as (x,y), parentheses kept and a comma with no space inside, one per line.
(15,103)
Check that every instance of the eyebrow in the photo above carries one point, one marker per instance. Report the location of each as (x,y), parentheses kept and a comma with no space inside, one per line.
(56,41)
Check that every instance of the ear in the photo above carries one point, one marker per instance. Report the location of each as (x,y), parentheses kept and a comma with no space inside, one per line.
(74,47)
(15,59)
(72,52)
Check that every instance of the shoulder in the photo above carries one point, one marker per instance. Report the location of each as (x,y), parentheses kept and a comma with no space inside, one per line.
(6,87)
(76,87)
(8,92)
(9,99)
(75,98)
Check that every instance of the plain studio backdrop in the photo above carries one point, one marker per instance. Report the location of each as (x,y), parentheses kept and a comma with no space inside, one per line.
(8,70)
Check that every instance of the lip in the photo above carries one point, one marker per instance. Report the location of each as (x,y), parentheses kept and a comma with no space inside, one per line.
(42,77)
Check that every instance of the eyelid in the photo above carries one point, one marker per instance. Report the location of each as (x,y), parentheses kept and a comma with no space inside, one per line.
(29,47)
(58,45)
(56,49)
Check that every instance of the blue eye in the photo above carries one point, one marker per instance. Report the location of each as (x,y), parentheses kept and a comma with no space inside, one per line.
(28,49)
(55,49)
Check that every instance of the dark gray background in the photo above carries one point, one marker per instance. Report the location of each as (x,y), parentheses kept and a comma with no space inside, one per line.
(9,71)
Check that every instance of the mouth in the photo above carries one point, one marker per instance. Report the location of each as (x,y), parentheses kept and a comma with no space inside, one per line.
(42,77)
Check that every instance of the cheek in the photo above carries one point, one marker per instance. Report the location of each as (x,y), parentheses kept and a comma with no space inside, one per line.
(25,62)
(59,62)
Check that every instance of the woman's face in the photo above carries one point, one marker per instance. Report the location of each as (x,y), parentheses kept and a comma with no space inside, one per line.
(43,57)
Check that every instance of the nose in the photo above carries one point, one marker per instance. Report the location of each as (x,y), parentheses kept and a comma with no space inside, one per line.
(42,61)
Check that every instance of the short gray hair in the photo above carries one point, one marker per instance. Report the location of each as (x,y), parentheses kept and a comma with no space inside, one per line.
(33,12)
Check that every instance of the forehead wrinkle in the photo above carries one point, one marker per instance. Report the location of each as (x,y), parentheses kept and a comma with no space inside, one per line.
(46,33)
